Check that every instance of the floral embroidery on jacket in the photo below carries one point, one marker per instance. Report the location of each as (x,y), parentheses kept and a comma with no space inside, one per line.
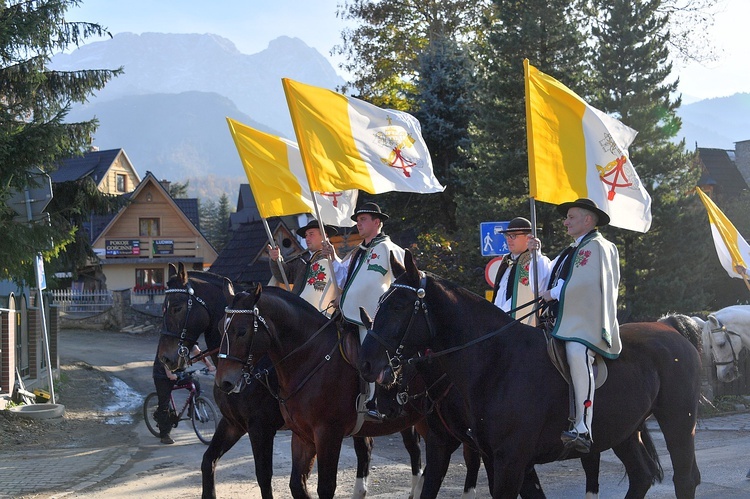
(582,257)
(316,276)
(523,277)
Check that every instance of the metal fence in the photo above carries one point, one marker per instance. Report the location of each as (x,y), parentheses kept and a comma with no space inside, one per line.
(88,302)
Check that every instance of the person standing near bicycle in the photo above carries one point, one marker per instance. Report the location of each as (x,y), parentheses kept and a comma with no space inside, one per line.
(163,382)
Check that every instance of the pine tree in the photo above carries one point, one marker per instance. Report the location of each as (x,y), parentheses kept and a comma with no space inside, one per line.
(633,82)
(550,34)
(33,104)
(221,224)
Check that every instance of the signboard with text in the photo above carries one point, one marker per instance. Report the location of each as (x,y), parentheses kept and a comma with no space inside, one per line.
(122,247)
(163,247)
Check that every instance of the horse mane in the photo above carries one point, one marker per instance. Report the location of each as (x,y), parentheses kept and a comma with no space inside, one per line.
(687,327)
(208,277)
(461,292)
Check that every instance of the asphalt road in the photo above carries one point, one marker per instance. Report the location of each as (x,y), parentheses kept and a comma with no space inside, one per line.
(158,471)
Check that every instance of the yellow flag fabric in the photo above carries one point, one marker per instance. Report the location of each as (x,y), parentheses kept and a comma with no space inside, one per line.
(265,158)
(576,151)
(731,247)
(347,143)
(277,178)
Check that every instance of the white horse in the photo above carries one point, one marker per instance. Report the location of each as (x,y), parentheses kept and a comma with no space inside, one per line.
(725,333)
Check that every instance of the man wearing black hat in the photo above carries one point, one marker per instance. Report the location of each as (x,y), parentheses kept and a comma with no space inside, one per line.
(366,274)
(513,286)
(583,287)
(312,272)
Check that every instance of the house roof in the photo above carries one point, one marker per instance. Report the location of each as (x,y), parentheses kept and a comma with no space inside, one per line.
(92,164)
(721,171)
(187,207)
(243,259)
(247,211)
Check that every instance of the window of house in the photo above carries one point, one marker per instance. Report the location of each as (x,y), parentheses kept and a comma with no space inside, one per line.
(121,182)
(149,279)
(149,227)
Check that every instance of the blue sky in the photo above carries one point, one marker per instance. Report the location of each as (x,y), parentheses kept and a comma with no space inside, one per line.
(251,24)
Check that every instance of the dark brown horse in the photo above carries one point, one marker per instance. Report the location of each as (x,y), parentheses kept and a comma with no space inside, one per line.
(194,305)
(318,387)
(516,402)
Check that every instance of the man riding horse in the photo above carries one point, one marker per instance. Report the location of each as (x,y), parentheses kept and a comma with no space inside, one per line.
(582,292)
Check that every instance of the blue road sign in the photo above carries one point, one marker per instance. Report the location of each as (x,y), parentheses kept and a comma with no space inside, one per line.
(492,241)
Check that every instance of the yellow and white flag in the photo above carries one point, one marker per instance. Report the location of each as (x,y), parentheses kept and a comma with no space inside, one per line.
(277,178)
(576,151)
(731,247)
(347,143)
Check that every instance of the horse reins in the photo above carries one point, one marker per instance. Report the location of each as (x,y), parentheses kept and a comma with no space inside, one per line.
(182,350)
(398,358)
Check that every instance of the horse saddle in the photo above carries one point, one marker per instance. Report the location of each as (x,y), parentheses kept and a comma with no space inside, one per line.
(556,351)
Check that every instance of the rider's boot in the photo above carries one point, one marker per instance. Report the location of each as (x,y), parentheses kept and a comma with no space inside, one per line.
(581,362)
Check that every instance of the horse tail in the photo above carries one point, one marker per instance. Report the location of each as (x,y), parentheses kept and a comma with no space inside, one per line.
(652,457)
(687,327)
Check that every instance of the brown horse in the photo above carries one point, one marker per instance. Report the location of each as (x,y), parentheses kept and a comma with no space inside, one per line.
(194,305)
(318,387)
(516,402)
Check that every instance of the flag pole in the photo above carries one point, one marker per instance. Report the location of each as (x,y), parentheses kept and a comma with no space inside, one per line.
(534,254)
(322,227)
(272,242)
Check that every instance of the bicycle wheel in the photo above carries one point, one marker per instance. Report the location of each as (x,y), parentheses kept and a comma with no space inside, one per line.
(150,405)
(205,419)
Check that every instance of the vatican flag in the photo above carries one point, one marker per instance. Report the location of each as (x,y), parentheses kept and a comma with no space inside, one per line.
(347,143)
(731,247)
(576,151)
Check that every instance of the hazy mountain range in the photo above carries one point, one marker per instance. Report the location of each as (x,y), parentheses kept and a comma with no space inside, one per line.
(168,110)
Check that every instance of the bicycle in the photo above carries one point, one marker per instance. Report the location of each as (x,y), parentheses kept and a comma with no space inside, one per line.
(197,408)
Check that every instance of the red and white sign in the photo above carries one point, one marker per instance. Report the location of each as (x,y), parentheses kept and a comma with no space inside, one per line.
(490,271)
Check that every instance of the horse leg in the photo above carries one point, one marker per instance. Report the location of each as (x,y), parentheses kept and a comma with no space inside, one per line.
(438,453)
(328,443)
(411,443)
(531,488)
(303,457)
(641,461)
(590,463)
(261,440)
(363,450)
(509,473)
(226,436)
(473,461)
(678,431)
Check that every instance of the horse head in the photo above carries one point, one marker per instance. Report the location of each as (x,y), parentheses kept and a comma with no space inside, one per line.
(187,313)
(725,347)
(400,328)
(243,339)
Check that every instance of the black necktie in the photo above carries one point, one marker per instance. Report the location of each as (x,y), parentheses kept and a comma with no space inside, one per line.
(511,278)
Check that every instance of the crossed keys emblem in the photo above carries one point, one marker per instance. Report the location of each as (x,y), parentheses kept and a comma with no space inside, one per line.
(397,139)
(615,173)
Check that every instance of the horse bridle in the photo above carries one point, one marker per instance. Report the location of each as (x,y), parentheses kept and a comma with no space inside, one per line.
(397,360)
(735,355)
(247,364)
(182,350)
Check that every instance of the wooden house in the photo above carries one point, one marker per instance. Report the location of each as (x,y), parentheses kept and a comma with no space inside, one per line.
(152,231)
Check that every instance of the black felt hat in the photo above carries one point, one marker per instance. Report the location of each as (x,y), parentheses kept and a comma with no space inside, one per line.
(586,204)
(314,224)
(372,209)
(518,224)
